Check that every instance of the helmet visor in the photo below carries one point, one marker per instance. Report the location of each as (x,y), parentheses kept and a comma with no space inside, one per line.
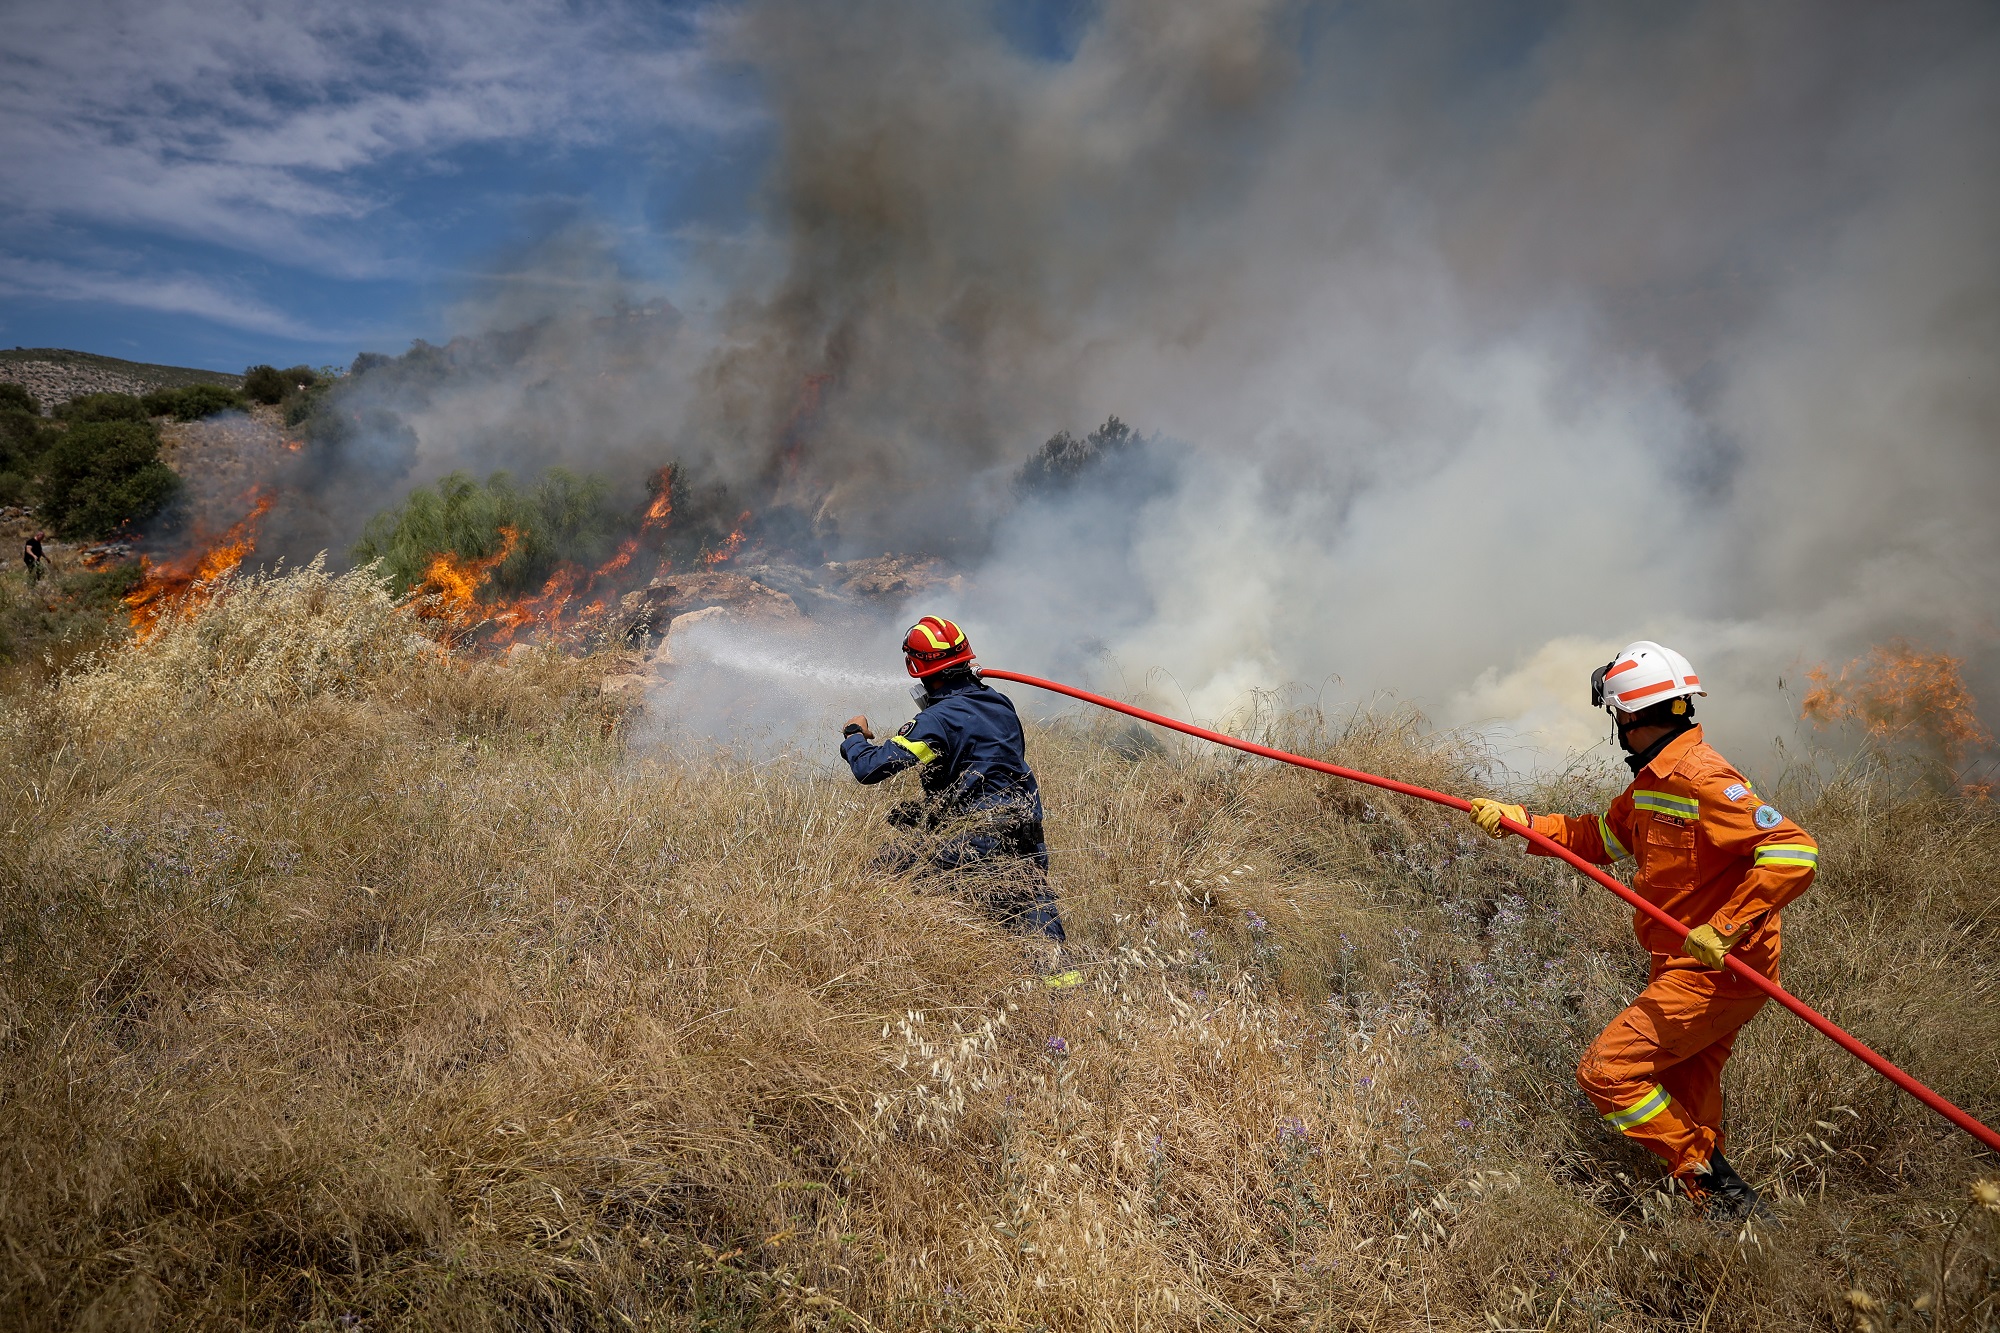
(1597,686)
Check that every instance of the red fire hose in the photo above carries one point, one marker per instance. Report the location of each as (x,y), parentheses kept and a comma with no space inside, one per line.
(1881,1066)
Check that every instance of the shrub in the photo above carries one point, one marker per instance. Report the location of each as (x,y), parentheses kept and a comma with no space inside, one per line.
(564,518)
(205,400)
(100,475)
(264,384)
(1064,459)
(312,388)
(193,402)
(13,488)
(17,396)
(93,407)
(23,437)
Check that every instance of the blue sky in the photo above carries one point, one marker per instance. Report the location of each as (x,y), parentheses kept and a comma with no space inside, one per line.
(223,182)
(228,182)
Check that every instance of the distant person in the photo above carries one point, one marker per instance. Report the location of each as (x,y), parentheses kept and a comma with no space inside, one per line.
(1719,859)
(33,558)
(981,814)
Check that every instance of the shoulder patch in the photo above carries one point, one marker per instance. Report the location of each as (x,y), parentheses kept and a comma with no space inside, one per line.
(907,727)
(1736,792)
(1767,816)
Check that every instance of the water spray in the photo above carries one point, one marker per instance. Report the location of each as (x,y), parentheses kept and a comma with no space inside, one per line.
(1850,1044)
(731,654)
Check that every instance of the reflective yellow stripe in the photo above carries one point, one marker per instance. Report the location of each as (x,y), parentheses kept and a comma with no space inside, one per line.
(1611,843)
(923,752)
(1666,803)
(1788,854)
(1632,1117)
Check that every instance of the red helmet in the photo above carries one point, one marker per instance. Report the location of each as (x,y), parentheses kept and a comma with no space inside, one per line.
(934,644)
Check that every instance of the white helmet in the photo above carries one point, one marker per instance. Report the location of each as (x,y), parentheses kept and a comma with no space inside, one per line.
(1643,674)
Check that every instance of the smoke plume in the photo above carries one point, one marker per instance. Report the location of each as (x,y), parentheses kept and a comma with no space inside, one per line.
(1471,344)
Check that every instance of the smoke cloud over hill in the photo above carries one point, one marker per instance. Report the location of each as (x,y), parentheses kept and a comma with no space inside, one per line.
(1473,344)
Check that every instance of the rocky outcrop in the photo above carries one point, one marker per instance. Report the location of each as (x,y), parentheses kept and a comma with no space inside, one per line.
(55,375)
(226,461)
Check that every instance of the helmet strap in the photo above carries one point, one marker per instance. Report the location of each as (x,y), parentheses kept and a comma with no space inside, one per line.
(1676,715)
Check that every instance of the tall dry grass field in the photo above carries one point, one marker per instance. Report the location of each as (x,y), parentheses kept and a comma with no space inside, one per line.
(351,985)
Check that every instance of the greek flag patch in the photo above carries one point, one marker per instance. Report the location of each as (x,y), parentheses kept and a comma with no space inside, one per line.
(1736,792)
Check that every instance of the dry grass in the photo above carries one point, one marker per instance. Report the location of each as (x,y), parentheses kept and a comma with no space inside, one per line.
(414,999)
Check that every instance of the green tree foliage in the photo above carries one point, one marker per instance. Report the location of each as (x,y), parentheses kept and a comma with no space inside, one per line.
(23,436)
(1064,459)
(312,388)
(99,475)
(267,384)
(95,407)
(563,518)
(193,402)
(264,384)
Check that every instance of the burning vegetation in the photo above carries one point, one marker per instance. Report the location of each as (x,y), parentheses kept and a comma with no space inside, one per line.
(1904,700)
(179,585)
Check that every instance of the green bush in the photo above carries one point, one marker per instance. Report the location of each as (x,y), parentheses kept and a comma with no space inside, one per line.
(13,488)
(193,402)
(99,475)
(299,377)
(17,396)
(314,387)
(563,518)
(23,437)
(265,384)
(92,407)
(1064,459)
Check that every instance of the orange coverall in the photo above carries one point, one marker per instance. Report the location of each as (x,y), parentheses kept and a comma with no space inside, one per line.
(1710,851)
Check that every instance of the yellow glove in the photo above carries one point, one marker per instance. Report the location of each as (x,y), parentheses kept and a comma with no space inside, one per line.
(1488,814)
(1706,945)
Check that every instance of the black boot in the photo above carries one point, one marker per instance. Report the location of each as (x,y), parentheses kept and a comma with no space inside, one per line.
(1722,1194)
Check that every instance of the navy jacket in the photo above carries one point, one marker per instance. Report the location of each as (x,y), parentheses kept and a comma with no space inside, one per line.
(970,745)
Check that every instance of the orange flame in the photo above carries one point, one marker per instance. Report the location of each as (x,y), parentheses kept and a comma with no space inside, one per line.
(184,584)
(545,608)
(730,544)
(450,590)
(1900,694)
(548,608)
(658,514)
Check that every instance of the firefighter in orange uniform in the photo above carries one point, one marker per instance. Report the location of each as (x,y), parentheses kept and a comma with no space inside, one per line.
(1719,859)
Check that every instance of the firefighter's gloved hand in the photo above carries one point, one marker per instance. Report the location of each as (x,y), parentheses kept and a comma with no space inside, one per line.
(1488,814)
(1707,946)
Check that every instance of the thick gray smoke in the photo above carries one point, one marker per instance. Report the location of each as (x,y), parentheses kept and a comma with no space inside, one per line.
(1493,342)
(1477,341)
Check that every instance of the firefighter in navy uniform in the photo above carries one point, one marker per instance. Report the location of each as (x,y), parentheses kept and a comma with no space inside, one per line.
(981,813)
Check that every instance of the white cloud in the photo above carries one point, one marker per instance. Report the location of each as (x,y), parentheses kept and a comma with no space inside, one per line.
(174,293)
(269,127)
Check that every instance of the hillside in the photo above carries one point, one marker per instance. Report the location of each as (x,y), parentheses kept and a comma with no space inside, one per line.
(353,983)
(55,375)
